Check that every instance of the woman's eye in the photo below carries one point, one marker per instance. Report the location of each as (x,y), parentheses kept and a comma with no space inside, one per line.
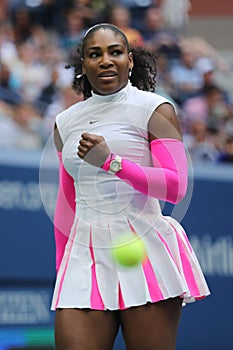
(117,52)
(93,55)
(97,54)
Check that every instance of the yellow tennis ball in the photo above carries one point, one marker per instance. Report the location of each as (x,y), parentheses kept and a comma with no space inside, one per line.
(129,250)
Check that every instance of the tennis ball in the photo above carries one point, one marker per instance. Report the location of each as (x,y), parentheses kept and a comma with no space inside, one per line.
(128,250)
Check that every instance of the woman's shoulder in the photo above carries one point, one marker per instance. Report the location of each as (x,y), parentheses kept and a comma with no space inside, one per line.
(151,98)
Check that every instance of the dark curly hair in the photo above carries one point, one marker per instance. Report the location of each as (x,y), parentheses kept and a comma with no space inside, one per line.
(143,73)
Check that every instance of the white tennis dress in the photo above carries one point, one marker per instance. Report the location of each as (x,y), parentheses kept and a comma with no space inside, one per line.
(107,207)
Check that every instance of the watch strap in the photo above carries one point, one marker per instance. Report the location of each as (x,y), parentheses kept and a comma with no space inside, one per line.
(106,165)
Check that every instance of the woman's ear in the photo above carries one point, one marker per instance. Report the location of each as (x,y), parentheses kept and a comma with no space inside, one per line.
(131,64)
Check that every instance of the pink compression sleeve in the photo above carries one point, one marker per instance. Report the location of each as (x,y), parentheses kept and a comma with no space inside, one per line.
(64,211)
(167,179)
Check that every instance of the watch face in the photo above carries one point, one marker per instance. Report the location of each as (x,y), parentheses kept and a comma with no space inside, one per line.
(115,166)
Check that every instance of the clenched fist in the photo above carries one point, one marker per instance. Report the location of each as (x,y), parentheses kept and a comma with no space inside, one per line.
(93,149)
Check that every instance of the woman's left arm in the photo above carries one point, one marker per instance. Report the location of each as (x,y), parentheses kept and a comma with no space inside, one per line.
(167,179)
(164,123)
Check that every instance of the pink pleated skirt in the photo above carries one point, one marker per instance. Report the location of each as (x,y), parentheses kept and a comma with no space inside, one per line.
(88,276)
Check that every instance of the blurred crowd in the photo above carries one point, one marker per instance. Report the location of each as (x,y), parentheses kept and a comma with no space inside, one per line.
(38,37)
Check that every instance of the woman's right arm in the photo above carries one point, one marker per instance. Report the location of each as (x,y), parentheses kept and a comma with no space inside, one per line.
(57,139)
(65,204)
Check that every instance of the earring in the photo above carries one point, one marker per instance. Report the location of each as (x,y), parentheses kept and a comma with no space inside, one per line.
(130,72)
(79,76)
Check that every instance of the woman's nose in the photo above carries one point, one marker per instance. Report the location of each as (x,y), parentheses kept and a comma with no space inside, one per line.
(106,60)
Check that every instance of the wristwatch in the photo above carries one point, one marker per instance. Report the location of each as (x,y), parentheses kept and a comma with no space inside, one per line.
(115,165)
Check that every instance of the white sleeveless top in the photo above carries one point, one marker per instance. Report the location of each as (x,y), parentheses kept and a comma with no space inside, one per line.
(107,207)
(122,119)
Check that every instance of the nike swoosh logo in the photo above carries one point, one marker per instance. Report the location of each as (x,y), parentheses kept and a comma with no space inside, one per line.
(93,121)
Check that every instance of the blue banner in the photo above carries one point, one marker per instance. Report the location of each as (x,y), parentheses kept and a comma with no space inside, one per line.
(27,252)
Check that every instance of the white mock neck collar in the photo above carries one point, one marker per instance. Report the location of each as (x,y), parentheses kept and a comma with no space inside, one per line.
(117,96)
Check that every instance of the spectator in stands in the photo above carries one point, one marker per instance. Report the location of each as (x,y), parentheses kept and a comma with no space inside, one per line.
(201,48)
(163,81)
(120,16)
(20,126)
(175,14)
(152,23)
(7,39)
(91,11)
(208,67)
(23,24)
(48,93)
(73,29)
(137,10)
(8,93)
(201,142)
(157,37)
(208,107)
(32,75)
(186,78)
(226,156)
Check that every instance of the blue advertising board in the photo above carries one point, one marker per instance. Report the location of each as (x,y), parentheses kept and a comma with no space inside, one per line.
(27,252)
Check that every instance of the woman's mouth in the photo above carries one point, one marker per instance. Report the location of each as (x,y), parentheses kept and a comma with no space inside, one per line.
(107,74)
